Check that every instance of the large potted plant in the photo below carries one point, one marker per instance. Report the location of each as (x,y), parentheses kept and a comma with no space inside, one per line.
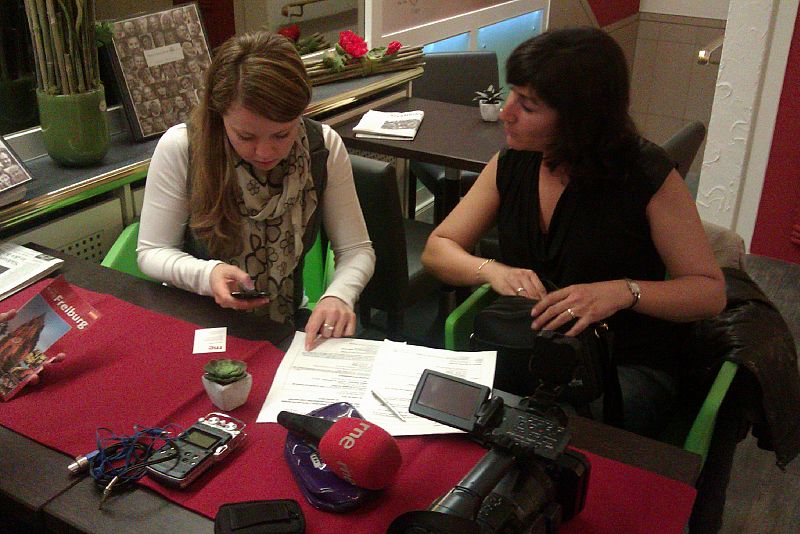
(71,98)
(17,96)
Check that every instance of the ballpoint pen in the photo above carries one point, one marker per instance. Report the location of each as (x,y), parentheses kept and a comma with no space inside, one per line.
(389,406)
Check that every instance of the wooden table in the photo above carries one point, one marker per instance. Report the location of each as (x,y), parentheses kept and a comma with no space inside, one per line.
(35,487)
(450,135)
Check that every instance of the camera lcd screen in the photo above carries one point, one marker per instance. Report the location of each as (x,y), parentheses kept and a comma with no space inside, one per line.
(201,439)
(448,399)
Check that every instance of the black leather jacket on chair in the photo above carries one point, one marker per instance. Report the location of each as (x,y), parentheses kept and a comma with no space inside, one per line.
(752,333)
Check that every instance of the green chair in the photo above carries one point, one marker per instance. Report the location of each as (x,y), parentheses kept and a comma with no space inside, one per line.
(317,270)
(122,257)
(459,326)
(122,254)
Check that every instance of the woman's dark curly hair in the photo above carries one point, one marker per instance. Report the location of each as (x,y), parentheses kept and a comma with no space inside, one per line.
(582,74)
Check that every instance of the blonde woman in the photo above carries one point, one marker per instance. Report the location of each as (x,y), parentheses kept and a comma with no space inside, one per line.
(235,198)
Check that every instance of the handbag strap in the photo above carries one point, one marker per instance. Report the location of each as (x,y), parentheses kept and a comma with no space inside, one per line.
(612,392)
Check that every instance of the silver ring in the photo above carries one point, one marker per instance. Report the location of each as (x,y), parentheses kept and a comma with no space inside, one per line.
(327,326)
(569,311)
(520,290)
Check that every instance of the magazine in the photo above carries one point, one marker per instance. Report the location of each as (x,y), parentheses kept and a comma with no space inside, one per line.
(21,266)
(38,324)
(389,125)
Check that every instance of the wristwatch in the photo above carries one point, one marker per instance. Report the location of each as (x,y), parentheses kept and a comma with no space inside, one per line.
(635,290)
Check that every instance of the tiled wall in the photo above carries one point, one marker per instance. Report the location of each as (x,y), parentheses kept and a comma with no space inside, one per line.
(668,87)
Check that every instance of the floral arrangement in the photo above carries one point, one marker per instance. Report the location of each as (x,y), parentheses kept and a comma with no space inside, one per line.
(304,45)
(351,57)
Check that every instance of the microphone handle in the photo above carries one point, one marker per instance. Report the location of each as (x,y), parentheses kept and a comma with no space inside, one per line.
(465,499)
(308,428)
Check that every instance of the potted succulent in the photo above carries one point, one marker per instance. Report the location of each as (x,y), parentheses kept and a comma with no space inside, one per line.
(490,100)
(227,383)
(70,96)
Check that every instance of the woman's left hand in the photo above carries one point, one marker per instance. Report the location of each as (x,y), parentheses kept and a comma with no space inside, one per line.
(331,318)
(587,303)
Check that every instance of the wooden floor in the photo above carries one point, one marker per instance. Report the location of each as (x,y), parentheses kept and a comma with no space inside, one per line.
(762,499)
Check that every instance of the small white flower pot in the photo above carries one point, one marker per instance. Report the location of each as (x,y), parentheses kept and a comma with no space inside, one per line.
(229,396)
(490,112)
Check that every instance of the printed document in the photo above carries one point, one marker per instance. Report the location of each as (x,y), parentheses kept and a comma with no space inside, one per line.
(350,370)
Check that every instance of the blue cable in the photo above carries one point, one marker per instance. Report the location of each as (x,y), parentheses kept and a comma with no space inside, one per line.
(120,460)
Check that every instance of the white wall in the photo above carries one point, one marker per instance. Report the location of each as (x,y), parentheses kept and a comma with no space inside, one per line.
(708,9)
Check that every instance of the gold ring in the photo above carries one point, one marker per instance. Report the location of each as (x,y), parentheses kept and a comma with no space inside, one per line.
(520,290)
(569,311)
(327,326)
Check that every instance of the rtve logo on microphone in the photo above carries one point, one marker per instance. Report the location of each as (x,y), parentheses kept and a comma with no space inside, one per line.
(349,440)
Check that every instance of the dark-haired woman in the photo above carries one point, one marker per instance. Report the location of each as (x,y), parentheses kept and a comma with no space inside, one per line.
(235,199)
(582,201)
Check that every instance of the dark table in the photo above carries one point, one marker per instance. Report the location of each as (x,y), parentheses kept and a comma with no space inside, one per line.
(35,487)
(450,135)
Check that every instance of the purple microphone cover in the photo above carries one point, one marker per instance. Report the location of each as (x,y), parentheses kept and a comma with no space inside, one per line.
(321,487)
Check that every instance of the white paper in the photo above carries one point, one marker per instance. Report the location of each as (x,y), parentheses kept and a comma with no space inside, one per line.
(350,369)
(210,340)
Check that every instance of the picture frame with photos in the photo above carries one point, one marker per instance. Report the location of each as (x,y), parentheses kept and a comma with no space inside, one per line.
(13,175)
(160,59)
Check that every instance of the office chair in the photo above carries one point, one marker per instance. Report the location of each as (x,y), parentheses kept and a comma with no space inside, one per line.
(122,257)
(400,279)
(449,77)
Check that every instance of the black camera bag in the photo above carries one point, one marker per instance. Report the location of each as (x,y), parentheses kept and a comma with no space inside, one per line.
(527,359)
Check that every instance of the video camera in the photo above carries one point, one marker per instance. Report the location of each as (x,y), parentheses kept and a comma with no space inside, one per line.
(528,482)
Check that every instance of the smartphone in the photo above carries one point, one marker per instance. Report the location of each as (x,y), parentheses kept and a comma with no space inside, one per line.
(249,294)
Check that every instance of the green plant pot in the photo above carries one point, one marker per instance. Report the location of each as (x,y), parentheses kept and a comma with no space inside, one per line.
(74,126)
(18,102)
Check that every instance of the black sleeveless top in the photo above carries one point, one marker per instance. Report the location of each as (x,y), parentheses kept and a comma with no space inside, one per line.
(596,234)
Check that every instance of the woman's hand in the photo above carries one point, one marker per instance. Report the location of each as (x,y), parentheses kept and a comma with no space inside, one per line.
(587,303)
(331,318)
(10,314)
(226,278)
(507,280)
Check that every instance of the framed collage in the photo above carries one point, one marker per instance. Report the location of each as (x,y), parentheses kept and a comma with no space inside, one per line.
(13,175)
(160,60)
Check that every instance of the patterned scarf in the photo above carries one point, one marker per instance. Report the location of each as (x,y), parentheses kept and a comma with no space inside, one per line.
(276,210)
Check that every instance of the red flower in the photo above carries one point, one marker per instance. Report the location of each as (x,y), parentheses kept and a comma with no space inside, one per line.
(351,43)
(291,32)
(393,47)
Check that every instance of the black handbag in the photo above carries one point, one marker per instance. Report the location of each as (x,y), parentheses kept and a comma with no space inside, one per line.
(575,369)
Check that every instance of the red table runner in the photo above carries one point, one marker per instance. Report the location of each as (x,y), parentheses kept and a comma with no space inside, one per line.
(136,366)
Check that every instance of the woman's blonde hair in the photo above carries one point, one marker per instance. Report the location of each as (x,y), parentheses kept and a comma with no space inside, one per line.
(262,72)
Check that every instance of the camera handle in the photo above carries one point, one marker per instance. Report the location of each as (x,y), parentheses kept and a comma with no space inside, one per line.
(456,510)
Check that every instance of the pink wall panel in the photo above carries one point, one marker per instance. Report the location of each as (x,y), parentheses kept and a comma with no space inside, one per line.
(610,11)
(777,230)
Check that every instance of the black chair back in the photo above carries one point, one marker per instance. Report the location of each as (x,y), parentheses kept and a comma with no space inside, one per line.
(455,76)
(682,147)
(399,279)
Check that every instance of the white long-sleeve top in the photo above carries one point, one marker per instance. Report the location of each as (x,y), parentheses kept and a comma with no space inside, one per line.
(165,215)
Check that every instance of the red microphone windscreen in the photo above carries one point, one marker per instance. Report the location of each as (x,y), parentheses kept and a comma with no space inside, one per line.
(360,452)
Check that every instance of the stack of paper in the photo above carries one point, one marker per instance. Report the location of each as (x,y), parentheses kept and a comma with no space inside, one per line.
(353,370)
(20,267)
(389,125)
